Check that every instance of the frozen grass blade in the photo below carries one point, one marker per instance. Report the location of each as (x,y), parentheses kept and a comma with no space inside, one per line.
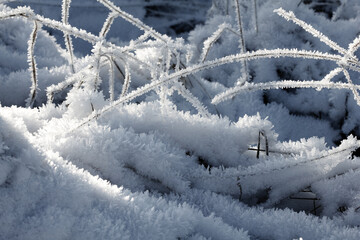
(228,94)
(192,99)
(208,43)
(331,75)
(68,42)
(354,46)
(133,20)
(221,61)
(127,80)
(32,66)
(107,24)
(244,71)
(290,16)
(353,88)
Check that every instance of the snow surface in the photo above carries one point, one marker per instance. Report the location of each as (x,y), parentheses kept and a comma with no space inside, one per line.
(130,146)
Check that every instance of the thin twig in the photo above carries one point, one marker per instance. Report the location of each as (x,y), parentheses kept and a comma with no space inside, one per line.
(244,72)
(32,66)
(107,24)
(67,37)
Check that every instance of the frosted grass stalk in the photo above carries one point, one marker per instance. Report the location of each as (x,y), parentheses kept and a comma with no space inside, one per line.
(332,74)
(218,62)
(127,80)
(209,42)
(228,94)
(32,66)
(290,16)
(354,46)
(353,88)
(68,42)
(244,71)
(107,24)
(192,99)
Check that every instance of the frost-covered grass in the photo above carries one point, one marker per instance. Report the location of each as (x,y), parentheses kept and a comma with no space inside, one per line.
(159,137)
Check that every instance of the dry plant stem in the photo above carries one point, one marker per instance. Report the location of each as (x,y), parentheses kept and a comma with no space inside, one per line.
(290,16)
(127,80)
(210,64)
(89,37)
(354,46)
(192,99)
(245,76)
(113,8)
(32,66)
(67,37)
(215,37)
(275,85)
(70,81)
(107,24)
(332,74)
(281,85)
(135,21)
(296,164)
(28,13)
(262,133)
(119,69)
(353,89)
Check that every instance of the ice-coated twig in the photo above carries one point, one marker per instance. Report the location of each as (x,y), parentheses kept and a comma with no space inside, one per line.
(79,33)
(244,70)
(290,16)
(133,20)
(107,24)
(68,42)
(210,64)
(354,46)
(209,42)
(191,99)
(147,29)
(228,94)
(32,66)
(70,81)
(296,164)
(333,73)
(26,12)
(353,88)
(127,80)
(141,39)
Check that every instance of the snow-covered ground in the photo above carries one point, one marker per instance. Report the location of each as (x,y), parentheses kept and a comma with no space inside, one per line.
(226,120)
